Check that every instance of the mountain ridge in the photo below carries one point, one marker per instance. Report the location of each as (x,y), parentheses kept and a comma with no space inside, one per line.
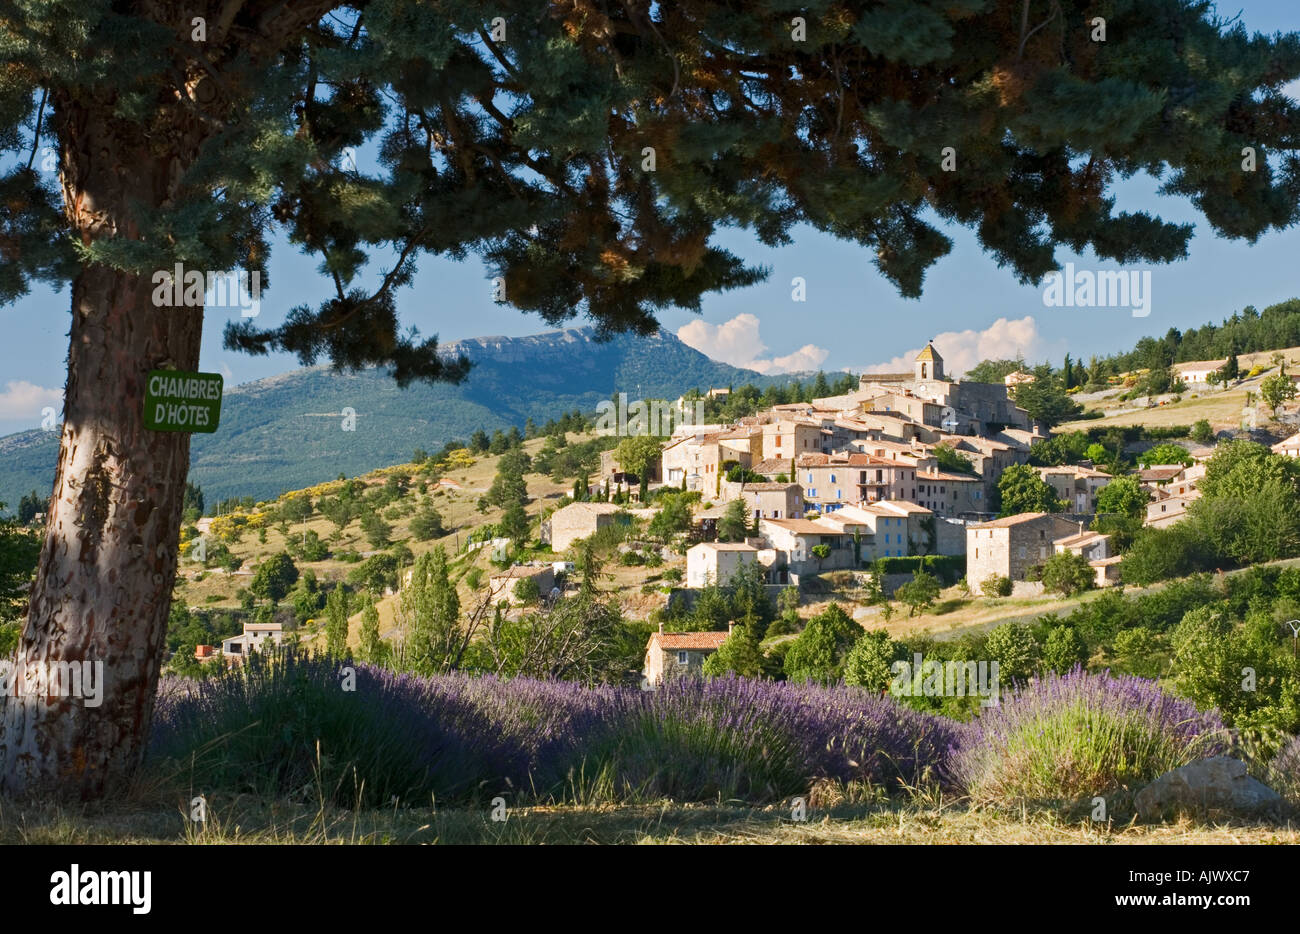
(275,432)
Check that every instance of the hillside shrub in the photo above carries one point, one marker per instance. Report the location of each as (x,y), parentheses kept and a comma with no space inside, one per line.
(1064,740)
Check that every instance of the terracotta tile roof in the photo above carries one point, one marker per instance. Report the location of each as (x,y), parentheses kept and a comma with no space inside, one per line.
(952,477)
(1008,521)
(1080,538)
(677,641)
(899,505)
(800,526)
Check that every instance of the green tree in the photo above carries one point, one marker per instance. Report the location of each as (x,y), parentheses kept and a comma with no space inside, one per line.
(274,577)
(1063,650)
(371,647)
(738,653)
(1045,399)
(1067,573)
(637,455)
(1238,468)
(734,524)
(949,458)
(1216,664)
(920,592)
(868,662)
(376,574)
(1202,432)
(819,652)
(530,153)
(192,502)
(1022,490)
(1136,652)
(996,585)
(29,506)
(673,517)
(428,615)
(514,524)
(508,486)
(1015,650)
(992,371)
(1165,454)
(337,606)
(1276,391)
(296,508)
(427,524)
(376,530)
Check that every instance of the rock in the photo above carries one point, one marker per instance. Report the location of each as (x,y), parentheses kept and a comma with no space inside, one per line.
(1216,784)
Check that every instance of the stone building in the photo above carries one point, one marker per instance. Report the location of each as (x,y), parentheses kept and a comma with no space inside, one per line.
(671,655)
(1010,547)
(576,520)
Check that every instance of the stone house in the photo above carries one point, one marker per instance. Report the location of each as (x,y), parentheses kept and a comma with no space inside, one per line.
(790,437)
(1009,547)
(1091,545)
(1196,372)
(1169,510)
(502,587)
(794,539)
(254,637)
(1289,447)
(1078,486)
(767,500)
(950,494)
(670,655)
(717,562)
(831,481)
(574,521)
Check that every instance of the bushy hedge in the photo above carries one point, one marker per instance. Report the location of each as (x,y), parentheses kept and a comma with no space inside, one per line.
(948,568)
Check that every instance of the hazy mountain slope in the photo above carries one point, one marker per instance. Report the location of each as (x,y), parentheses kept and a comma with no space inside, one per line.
(285,432)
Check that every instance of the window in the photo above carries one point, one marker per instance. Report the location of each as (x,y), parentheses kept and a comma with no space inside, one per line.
(681,658)
(977,552)
(832,478)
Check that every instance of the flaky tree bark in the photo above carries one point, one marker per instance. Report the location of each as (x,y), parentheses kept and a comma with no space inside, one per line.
(103,588)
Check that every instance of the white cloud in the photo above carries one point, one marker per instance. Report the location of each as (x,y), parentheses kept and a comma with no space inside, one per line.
(23,401)
(738,343)
(961,350)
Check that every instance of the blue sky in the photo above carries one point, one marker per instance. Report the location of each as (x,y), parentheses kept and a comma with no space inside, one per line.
(852,317)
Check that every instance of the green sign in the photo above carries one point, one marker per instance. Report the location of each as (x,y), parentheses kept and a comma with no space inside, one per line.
(176,401)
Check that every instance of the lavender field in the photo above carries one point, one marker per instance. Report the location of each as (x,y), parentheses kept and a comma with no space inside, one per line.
(293,727)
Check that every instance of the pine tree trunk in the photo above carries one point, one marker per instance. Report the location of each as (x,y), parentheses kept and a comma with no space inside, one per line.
(103,587)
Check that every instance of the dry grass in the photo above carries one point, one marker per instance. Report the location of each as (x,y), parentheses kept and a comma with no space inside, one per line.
(252,822)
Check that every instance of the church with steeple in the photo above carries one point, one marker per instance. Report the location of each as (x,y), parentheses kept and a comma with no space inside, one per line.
(928,396)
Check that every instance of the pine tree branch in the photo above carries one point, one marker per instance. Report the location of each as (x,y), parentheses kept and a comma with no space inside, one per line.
(36,139)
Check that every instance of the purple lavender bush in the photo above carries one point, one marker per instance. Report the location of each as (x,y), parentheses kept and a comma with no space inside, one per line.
(1065,739)
(1285,770)
(740,738)
(281,725)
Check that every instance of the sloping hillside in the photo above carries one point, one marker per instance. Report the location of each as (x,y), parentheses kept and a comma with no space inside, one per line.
(287,432)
